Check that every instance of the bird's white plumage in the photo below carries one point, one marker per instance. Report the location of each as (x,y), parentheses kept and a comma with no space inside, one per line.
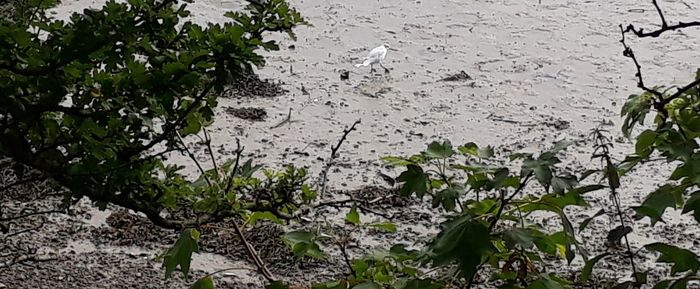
(376,56)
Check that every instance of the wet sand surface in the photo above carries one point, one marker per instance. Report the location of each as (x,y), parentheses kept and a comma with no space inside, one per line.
(538,72)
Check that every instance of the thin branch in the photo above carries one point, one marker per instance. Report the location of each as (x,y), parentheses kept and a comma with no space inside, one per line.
(342,245)
(31,214)
(253,254)
(172,126)
(602,150)
(664,25)
(334,154)
(238,151)
(656,33)
(506,200)
(360,204)
(286,120)
(223,270)
(37,227)
(681,91)
(334,150)
(21,182)
(211,152)
(24,259)
(192,156)
(628,52)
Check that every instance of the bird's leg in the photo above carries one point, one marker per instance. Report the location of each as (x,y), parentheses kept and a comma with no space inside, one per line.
(386,70)
(371,68)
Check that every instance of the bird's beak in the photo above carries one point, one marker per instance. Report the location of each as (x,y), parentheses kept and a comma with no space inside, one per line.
(392,49)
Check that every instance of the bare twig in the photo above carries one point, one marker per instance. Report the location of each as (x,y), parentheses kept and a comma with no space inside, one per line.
(207,141)
(170,127)
(664,25)
(21,182)
(602,146)
(37,227)
(660,102)
(628,52)
(334,154)
(343,246)
(360,204)
(238,151)
(253,254)
(192,156)
(24,259)
(224,270)
(31,214)
(286,120)
(334,150)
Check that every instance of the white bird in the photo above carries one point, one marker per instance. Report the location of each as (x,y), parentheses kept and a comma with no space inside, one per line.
(376,56)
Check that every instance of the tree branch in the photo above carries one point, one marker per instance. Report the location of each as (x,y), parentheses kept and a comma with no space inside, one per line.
(664,25)
(334,154)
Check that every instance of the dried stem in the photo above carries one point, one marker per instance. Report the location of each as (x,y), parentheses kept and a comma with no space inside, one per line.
(192,156)
(602,146)
(207,141)
(664,25)
(253,254)
(334,154)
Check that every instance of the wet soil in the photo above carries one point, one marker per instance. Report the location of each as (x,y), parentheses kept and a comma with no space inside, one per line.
(540,71)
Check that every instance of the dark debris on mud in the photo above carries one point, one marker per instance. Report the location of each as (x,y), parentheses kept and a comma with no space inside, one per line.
(251,85)
(249,113)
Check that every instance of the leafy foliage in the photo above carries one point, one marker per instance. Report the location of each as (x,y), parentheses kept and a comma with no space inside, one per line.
(181,253)
(98,101)
(487,204)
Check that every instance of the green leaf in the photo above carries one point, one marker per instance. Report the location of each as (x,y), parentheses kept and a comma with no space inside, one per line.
(588,268)
(386,227)
(415,181)
(204,283)
(546,282)
(617,233)
(585,222)
(367,285)
(682,259)
(519,237)
(257,216)
(663,284)
(462,240)
(656,203)
(180,254)
(447,198)
(299,236)
(645,142)
(397,161)
(693,204)
(303,243)
(353,217)
(417,284)
(439,151)
(612,174)
(560,184)
(635,110)
(569,230)
(474,150)
(469,149)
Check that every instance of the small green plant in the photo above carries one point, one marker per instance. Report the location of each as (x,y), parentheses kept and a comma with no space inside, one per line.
(488,208)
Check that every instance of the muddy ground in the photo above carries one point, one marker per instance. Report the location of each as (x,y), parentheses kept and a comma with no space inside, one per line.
(539,71)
